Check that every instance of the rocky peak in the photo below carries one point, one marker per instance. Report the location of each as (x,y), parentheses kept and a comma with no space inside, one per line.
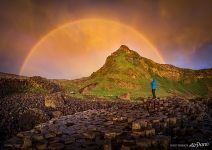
(125,51)
(124,47)
(122,60)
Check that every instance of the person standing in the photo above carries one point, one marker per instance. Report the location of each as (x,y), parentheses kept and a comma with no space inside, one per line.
(153,86)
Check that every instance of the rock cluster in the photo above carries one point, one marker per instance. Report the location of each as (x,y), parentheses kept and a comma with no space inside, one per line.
(12,85)
(54,100)
(16,84)
(21,112)
(148,124)
(44,83)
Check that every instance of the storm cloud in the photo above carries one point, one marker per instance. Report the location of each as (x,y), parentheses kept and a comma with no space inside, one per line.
(181,30)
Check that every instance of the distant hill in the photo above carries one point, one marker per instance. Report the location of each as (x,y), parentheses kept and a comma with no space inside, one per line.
(125,71)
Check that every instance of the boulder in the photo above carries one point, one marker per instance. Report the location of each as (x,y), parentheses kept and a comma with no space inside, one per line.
(137,134)
(54,100)
(89,135)
(150,132)
(56,114)
(138,124)
(172,121)
(124,96)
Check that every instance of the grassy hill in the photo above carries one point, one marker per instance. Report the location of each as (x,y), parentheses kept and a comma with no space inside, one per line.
(125,71)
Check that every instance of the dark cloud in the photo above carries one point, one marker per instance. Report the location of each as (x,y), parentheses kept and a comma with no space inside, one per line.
(201,58)
(177,28)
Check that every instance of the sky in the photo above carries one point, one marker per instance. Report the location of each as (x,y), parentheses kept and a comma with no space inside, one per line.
(180,30)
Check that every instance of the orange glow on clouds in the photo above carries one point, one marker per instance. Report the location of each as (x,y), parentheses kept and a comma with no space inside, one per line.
(81,47)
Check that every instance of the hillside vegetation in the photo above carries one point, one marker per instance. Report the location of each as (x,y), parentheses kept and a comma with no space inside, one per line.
(125,71)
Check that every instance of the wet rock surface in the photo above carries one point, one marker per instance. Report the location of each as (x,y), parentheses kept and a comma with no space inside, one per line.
(147,124)
(21,112)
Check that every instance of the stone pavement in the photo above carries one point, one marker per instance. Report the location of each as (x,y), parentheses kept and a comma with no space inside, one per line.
(147,124)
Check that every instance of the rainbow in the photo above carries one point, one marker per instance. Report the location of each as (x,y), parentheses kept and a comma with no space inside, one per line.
(33,49)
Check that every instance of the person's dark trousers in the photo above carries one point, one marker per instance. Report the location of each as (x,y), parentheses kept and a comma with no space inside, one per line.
(153,93)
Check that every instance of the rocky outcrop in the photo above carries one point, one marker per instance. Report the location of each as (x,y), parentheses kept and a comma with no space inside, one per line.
(40,82)
(11,84)
(54,100)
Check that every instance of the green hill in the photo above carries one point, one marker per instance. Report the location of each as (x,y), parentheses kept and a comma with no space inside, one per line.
(125,71)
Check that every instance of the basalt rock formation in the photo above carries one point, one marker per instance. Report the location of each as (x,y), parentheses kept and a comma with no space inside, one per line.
(12,84)
(149,124)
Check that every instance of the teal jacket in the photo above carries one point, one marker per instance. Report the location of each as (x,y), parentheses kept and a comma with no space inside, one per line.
(153,84)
